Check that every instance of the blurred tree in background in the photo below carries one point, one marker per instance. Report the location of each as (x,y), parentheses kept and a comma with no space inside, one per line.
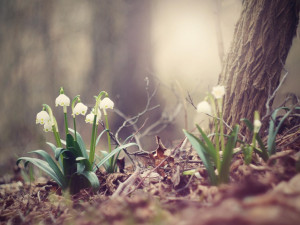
(94,45)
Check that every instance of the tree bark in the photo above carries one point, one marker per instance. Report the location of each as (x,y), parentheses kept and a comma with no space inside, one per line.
(252,69)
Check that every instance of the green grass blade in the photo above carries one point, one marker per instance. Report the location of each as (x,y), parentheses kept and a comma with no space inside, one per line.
(227,156)
(100,135)
(52,164)
(104,153)
(112,153)
(210,147)
(200,149)
(43,166)
(273,130)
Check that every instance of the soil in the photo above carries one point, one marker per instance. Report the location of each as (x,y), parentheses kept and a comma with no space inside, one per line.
(156,192)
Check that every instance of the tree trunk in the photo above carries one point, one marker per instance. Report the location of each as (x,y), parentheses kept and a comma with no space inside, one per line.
(252,69)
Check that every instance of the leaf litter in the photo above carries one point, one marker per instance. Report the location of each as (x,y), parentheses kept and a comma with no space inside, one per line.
(156,192)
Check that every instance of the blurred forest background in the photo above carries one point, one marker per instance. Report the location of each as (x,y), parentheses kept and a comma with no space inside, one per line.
(95,45)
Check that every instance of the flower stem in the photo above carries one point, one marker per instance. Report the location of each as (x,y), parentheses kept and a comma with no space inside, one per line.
(221,124)
(66,123)
(108,138)
(74,123)
(92,147)
(215,113)
(56,136)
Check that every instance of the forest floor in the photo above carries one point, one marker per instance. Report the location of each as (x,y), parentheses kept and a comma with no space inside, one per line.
(157,193)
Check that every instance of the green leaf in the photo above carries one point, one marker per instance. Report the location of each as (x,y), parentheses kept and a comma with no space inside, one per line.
(108,156)
(210,147)
(52,164)
(70,141)
(273,131)
(248,124)
(92,178)
(58,152)
(43,166)
(227,156)
(78,149)
(63,142)
(200,149)
(104,153)
(85,162)
(53,147)
(100,135)
(80,143)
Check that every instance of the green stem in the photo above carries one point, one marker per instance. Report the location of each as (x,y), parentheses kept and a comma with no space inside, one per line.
(56,136)
(92,147)
(252,148)
(215,114)
(217,145)
(66,123)
(108,138)
(221,124)
(74,123)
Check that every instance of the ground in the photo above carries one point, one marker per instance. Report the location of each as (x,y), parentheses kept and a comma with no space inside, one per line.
(156,192)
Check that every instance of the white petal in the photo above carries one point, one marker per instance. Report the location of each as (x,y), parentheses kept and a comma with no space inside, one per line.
(106,103)
(90,118)
(204,107)
(62,100)
(257,125)
(80,109)
(47,127)
(218,91)
(42,117)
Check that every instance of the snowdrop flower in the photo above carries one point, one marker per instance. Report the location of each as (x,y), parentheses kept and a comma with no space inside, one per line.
(204,107)
(218,91)
(47,127)
(80,108)
(42,118)
(90,117)
(62,100)
(257,125)
(106,103)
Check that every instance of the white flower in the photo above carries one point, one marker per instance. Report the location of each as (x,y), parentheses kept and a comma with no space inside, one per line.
(257,125)
(218,91)
(42,118)
(47,127)
(80,109)
(62,100)
(106,103)
(204,107)
(90,117)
